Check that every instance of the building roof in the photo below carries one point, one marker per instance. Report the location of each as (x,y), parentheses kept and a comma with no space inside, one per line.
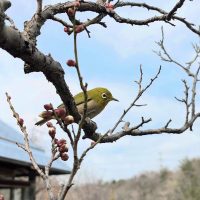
(11,154)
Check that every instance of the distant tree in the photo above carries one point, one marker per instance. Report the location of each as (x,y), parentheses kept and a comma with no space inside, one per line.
(189,180)
(24,45)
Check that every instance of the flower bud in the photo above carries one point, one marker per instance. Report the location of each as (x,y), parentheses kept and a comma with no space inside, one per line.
(109,6)
(69,119)
(93,143)
(60,112)
(52,132)
(20,121)
(61,142)
(64,156)
(48,107)
(76,4)
(63,148)
(71,63)
(49,124)
(79,28)
(55,140)
(66,29)
(71,12)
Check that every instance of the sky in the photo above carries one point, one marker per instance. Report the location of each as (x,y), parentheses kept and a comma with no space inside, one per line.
(111,59)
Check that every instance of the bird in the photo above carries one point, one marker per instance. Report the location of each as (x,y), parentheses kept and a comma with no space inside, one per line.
(97,100)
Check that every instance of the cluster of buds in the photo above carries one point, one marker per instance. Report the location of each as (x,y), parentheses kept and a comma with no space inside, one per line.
(62,148)
(59,112)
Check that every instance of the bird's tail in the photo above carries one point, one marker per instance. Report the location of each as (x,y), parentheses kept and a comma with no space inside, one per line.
(41,122)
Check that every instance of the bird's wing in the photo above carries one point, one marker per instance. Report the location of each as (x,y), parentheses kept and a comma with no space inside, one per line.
(79,99)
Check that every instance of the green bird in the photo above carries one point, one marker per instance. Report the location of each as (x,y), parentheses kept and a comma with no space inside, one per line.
(97,100)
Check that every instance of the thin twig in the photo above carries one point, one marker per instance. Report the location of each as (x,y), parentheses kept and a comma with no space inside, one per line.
(139,94)
(26,147)
(39,7)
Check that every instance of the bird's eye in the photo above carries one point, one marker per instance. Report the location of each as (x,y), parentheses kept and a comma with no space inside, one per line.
(104,96)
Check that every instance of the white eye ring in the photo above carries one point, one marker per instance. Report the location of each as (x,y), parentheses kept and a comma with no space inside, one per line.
(104,96)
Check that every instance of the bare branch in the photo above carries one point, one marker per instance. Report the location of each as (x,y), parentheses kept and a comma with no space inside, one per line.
(175,8)
(61,21)
(140,124)
(39,7)
(166,57)
(193,100)
(167,124)
(139,94)
(26,139)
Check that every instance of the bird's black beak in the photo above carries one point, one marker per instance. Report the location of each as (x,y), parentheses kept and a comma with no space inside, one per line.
(113,99)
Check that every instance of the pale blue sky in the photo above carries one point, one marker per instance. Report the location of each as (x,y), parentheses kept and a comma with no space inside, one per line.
(110,58)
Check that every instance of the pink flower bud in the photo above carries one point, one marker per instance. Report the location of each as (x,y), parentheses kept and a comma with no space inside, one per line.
(71,12)
(71,63)
(66,29)
(76,4)
(60,112)
(49,124)
(79,28)
(93,143)
(63,148)
(20,121)
(52,132)
(69,119)
(48,107)
(64,156)
(109,6)
(61,142)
